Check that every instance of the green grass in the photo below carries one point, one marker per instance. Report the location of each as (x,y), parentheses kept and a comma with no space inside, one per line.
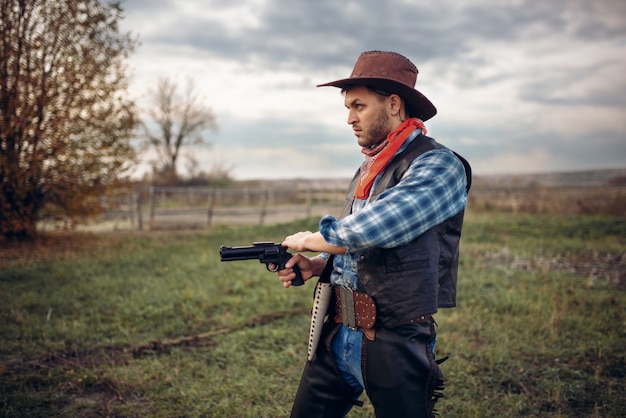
(155,325)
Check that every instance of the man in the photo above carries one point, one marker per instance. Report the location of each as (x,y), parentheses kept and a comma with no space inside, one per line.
(392,257)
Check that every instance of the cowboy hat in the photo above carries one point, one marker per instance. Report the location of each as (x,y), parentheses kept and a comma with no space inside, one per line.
(392,73)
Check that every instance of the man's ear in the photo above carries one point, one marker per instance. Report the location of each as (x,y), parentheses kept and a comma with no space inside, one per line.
(396,105)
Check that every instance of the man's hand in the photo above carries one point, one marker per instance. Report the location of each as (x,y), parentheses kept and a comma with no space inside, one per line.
(309,267)
(298,241)
(311,241)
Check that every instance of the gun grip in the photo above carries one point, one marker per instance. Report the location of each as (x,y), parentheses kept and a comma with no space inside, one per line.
(298,280)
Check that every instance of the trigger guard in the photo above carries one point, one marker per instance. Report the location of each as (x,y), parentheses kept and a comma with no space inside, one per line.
(274,270)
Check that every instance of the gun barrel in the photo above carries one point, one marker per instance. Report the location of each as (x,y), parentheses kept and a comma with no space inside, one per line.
(245,252)
(239,253)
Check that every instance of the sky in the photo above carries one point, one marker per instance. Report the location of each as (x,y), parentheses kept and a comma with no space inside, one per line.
(521,86)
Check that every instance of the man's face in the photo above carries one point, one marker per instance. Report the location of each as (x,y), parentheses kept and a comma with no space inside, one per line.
(368,115)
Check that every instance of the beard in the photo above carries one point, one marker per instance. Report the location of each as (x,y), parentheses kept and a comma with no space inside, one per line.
(377,132)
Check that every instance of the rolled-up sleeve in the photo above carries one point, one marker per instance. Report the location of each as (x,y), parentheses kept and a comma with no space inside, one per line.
(432,190)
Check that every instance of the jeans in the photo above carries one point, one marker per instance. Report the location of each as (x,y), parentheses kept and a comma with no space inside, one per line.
(346,348)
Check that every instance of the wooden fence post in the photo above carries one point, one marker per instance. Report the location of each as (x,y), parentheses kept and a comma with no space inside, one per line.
(211,198)
(139,215)
(152,205)
(264,199)
(131,200)
(309,201)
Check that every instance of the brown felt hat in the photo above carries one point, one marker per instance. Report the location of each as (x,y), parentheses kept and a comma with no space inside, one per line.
(392,73)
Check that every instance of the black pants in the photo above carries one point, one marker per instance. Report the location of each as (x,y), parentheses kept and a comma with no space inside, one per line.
(399,371)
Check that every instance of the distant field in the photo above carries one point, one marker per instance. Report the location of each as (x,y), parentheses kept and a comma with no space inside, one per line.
(173,208)
(152,324)
(563,200)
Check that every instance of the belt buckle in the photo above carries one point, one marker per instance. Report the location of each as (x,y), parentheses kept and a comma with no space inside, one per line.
(348,314)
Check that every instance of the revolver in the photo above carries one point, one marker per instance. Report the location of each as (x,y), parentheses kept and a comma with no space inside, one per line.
(267,253)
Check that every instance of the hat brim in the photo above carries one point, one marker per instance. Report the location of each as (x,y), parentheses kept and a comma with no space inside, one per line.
(419,104)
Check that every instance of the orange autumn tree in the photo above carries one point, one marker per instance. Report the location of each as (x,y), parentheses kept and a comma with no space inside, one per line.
(66,123)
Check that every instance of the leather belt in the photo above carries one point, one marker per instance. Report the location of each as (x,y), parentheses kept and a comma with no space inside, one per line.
(355,310)
(358,310)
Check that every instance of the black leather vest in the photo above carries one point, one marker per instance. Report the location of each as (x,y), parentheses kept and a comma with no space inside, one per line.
(417,278)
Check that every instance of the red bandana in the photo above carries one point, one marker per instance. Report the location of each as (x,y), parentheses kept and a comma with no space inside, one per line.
(376,159)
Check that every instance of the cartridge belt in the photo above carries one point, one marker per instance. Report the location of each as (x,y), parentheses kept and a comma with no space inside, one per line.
(355,310)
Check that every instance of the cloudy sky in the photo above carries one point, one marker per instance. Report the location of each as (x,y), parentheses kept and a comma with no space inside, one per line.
(520,85)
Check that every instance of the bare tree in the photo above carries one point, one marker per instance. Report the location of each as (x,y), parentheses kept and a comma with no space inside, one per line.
(65,122)
(180,118)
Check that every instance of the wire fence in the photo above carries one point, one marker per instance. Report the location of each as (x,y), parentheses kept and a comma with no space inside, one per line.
(158,208)
(205,207)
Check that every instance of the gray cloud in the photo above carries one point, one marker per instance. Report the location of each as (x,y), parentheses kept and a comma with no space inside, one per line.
(301,29)
(569,55)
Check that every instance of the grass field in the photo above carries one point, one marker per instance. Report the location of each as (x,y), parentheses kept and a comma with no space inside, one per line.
(154,325)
